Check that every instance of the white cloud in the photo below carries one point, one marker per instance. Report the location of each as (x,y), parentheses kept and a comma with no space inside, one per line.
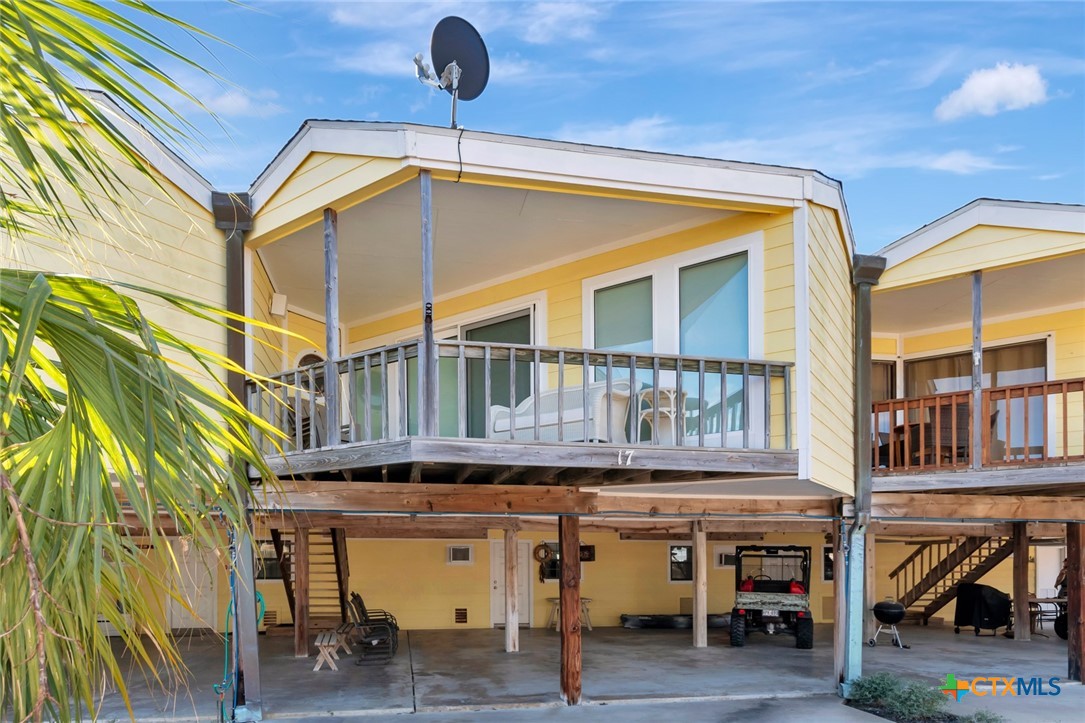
(237,102)
(990,91)
(544,23)
(386,58)
(962,163)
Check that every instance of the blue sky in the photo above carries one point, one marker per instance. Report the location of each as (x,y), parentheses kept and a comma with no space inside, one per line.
(918,107)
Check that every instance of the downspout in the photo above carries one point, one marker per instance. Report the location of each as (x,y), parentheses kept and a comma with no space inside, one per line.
(233,216)
(866,271)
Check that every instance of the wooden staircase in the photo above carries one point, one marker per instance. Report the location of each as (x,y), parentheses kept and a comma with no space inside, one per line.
(328,573)
(927,579)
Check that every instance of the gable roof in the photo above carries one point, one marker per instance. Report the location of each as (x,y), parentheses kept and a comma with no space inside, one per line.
(986,212)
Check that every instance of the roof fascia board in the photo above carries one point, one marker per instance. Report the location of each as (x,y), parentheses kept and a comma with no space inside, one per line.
(155,152)
(829,193)
(983,212)
(553,161)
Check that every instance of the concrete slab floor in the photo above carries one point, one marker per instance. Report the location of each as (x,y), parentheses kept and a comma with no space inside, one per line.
(460,674)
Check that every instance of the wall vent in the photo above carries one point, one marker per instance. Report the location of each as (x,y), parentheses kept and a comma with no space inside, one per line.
(461,615)
(271,618)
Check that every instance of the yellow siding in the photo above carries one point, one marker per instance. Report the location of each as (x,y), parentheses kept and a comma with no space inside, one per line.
(163,239)
(883,346)
(312,333)
(981,247)
(831,354)
(323,180)
(267,345)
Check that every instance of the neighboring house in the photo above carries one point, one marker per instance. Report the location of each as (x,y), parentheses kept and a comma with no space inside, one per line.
(1004,278)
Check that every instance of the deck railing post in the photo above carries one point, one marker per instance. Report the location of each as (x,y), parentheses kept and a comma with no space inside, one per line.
(978,426)
(427,354)
(331,326)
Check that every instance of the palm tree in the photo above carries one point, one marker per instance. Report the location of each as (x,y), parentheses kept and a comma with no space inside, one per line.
(108,438)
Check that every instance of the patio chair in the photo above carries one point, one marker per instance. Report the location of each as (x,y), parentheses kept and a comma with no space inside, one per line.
(954,447)
(376,637)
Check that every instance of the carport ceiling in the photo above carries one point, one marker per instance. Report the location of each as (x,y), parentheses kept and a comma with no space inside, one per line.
(1017,290)
(481,233)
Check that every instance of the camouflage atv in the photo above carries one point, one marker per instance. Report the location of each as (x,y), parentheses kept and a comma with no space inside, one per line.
(772,593)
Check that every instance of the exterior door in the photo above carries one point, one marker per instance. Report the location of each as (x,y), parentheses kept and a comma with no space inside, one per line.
(195,579)
(497,582)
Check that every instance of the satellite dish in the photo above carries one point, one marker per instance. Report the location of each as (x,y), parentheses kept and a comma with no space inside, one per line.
(460,56)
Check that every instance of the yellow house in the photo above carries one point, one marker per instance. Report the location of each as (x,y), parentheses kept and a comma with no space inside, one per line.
(620,365)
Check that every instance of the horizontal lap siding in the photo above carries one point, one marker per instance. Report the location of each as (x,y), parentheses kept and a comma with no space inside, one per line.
(311,332)
(831,354)
(981,247)
(266,344)
(162,239)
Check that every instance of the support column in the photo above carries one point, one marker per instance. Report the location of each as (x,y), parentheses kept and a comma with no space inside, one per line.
(700,585)
(233,215)
(1022,630)
(869,588)
(301,592)
(427,362)
(569,580)
(331,326)
(840,610)
(854,595)
(978,424)
(1075,599)
(512,592)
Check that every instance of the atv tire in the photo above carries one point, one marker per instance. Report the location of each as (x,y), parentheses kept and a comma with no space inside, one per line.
(738,629)
(804,633)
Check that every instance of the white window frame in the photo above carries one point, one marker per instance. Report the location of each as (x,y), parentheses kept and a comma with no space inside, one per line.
(664,273)
(470,555)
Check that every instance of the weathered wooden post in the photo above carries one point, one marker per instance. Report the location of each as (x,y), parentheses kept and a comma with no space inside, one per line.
(301,592)
(512,592)
(979,426)
(427,355)
(1075,599)
(700,585)
(1022,628)
(569,580)
(331,326)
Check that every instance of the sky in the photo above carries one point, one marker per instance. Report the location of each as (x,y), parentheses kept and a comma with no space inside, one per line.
(917,107)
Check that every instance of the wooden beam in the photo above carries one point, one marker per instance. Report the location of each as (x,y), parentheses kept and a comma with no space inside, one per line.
(918,505)
(301,592)
(1075,599)
(700,586)
(679,536)
(506,473)
(1022,630)
(512,593)
(518,499)
(569,586)
(535,475)
(990,529)
(464,472)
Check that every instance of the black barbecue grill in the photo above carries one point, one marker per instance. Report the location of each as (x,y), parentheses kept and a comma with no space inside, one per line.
(888,613)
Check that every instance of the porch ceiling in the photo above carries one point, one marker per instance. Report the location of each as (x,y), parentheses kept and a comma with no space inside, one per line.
(481,233)
(1017,290)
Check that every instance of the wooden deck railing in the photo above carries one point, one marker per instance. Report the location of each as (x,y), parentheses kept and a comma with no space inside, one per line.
(534,393)
(1026,424)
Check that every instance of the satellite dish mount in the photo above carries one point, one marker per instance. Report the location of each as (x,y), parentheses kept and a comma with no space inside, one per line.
(457,49)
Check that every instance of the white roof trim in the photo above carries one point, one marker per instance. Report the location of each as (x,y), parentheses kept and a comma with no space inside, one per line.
(155,152)
(986,212)
(553,161)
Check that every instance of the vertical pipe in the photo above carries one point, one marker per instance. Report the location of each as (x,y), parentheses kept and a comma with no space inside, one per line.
(840,601)
(427,362)
(977,371)
(331,327)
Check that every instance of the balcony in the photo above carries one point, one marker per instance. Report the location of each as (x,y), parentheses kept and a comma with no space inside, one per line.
(511,412)
(1038,425)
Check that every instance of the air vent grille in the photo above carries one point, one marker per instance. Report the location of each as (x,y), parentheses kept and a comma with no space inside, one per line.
(461,616)
(271,618)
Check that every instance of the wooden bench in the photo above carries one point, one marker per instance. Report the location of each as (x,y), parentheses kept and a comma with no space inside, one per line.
(326,645)
(342,636)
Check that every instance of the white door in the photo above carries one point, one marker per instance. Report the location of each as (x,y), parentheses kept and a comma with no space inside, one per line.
(497,582)
(195,580)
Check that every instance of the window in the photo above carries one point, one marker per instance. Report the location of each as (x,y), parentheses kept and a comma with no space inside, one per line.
(460,555)
(827,563)
(883,381)
(623,316)
(681,563)
(267,562)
